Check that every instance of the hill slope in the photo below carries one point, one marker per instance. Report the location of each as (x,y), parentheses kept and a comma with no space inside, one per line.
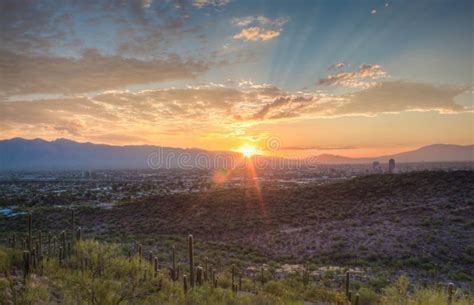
(420,220)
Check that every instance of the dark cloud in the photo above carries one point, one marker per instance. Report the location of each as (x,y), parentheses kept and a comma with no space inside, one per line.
(23,74)
(283,107)
(275,104)
(32,26)
(68,127)
(133,27)
(398,96)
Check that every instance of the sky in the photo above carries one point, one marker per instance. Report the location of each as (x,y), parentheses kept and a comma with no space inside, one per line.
(293,78)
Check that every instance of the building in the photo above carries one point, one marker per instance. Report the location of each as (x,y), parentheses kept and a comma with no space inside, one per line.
(391,165)
(376,167)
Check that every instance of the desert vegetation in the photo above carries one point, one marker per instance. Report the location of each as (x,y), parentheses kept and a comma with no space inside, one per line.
(68,269)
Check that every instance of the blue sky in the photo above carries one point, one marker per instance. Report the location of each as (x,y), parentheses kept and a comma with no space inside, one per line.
(320,33)
(419,40)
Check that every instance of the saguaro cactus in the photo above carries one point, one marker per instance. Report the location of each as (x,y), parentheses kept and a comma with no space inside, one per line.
(37,249)
(450,293)
(60,254)
(73,224)
(79,234)
(49,244)
(54,245)
(233,275)
(69,249)
(30,222)
(155,265)
(305,277)
(173,262)
(205,269)
(33,258)
(199,275)
(347,284)
(26,263)
(63,240)
(185,284)
(191,260)
(40,244)
(139,251)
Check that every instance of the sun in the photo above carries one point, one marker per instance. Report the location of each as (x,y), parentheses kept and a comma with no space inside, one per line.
(248,150)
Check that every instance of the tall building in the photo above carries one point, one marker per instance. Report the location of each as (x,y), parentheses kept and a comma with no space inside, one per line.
(376,167)
(391,165)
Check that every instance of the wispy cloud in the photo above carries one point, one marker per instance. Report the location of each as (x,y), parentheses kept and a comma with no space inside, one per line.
(203,3)
(256,34)
(337,66)
(259,28)
(361,78)
(260,21)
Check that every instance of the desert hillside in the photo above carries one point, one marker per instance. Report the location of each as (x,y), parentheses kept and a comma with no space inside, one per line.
(419,221)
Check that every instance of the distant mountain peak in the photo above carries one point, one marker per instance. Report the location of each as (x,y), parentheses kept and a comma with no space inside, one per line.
(63,140)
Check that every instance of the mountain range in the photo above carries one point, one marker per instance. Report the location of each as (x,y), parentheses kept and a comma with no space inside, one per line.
(430,153)
(63,154)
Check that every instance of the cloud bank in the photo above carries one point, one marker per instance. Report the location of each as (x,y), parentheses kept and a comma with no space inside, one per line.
(212,109)
(92,71)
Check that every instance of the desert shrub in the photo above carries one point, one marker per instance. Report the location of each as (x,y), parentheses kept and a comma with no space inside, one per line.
(367,296)
(396,294)
(287,289)
(37,291)
(379,282)
(327,295)
(9,258)
(5,290)
(429,296)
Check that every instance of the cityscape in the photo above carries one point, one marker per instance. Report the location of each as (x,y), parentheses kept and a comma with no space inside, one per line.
(104,188)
